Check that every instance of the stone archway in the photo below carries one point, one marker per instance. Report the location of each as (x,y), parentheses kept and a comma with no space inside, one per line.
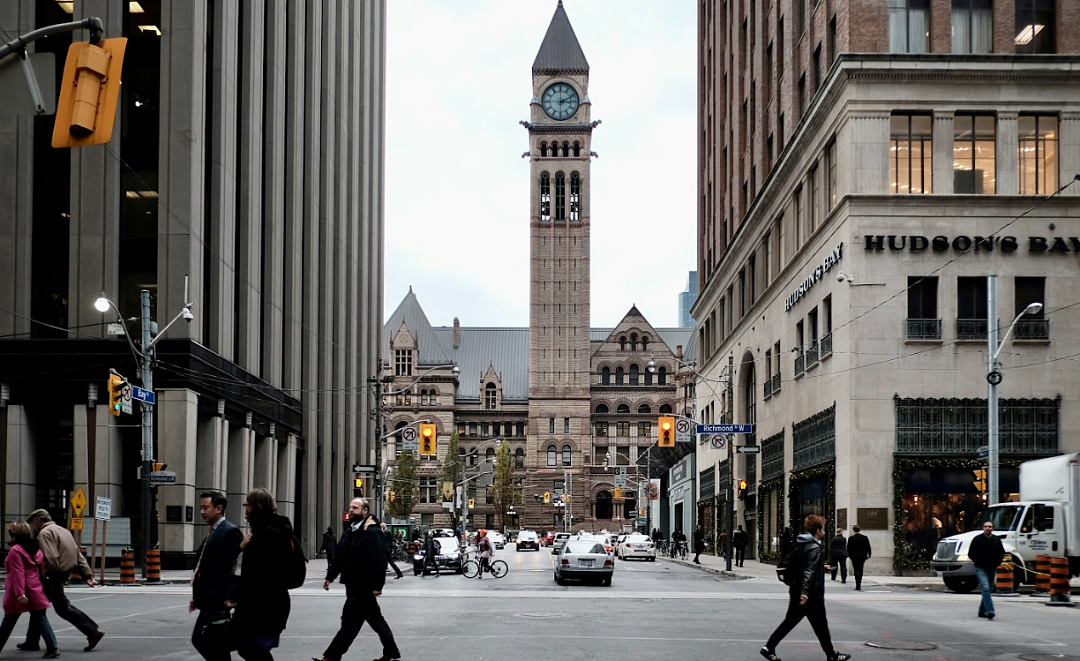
(603,505)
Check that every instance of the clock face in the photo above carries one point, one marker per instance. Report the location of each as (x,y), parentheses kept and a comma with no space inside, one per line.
(560,101)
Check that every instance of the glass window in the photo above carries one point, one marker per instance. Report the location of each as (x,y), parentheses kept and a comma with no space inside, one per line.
(545,197)
(911,157)
(551,425)
(634,375)
(618,376)
(552,458)
(971,298)
(622,455)
(1028,291)
(566,455)
(403,362)
(560,196)
(973,154)
(601,455)
(605,376)
(489,396)
(575,194)
(922,298)
(644,429)
(600,429)
(521,429)
(909,26)
(1035,26)
(1038,154)
(972,26)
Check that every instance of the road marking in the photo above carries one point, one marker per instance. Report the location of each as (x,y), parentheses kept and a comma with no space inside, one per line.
(124,617)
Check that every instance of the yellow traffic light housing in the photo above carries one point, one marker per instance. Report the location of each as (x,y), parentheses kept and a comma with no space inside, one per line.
(358,487)
(89,92)
(428,442)
(742,489)
(116,394)
(667,431)
(980,480)
(618,493)
(547,497)
(472,503)
(390,496)
(159,466)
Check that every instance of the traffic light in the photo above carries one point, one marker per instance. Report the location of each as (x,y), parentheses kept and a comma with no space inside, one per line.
(472,503)
(980,480)
(618,493)
(547,497)
(667,431)
(358,487)
(158,466)
(742,489)
(390,496)
(116,394)
(428,443)
(89,92)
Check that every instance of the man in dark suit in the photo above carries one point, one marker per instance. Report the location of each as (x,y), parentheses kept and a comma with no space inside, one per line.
(210,582)
(858,547)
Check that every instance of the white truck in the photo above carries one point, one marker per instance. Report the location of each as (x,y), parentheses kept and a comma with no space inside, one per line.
(1046,521)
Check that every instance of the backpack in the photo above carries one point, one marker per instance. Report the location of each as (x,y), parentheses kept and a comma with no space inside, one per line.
(791,567)
(294,569)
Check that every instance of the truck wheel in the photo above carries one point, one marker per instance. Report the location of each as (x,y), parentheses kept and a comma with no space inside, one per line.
(961,585)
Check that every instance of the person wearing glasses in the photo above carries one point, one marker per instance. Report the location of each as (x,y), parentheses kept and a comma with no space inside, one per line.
(986,554)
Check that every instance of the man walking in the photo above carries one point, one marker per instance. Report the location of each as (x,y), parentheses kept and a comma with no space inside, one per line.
(61,558)
(858,547)
(360,560)
(213,572)
(807,594)
(388,538)
(738,542)
(839,555)
(329,543)
(431,549)
(699,544)
(986,554)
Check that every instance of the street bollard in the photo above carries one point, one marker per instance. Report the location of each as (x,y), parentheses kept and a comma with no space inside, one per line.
(1059,583)
(153,565)
(75,575)
(127,567)
(1005,584)
(1042,573)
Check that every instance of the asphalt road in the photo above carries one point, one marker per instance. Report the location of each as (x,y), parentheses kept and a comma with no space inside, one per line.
(651,611)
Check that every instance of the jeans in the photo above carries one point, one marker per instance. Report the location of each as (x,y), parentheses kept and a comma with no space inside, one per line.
(37,621)
(740,555)
(813,610)
(360,606)
(986,606)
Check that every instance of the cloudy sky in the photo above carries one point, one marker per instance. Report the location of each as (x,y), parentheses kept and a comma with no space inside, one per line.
(457,189)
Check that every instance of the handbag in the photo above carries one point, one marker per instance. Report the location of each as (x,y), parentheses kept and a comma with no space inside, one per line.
(218,631)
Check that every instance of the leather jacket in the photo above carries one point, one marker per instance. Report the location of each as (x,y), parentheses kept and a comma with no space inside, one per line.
(813,575)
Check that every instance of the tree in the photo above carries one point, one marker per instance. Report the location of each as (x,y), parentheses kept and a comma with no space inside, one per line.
(405,485)
(503,491)
(453,470)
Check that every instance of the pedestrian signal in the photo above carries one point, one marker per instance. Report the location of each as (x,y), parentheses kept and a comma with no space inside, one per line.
(472,503)
(742,489)
(547,497)
(667,431)
(116,394)
(428,443)
(980,480)
(358,487)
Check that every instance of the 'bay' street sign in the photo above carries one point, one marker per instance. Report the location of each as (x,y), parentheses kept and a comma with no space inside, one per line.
(143,395)
(725,429)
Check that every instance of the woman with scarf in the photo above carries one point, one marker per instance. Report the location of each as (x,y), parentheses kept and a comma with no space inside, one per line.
(23,591)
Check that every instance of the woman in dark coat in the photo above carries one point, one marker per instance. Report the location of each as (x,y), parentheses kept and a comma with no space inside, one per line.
(260,596)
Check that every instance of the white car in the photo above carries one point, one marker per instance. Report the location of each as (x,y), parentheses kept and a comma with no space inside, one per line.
(497,539)
(585,559)
(557,543)
(636,546)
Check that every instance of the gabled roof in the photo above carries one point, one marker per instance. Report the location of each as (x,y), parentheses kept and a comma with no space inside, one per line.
(505,349)
(560,52)
(429,350)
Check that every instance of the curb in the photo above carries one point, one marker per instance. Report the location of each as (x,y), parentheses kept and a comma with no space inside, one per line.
(707,569)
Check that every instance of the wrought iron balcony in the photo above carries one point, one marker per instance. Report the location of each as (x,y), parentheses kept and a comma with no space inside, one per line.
(800,364)
(768,388)
(812,354)
(1032,329)
(776,382)
(826,346)
(924,329)
(970,329)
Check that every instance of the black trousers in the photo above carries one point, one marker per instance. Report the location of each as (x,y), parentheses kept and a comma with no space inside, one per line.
(856,568)
(360,606)
(209,647)
(813,610)
(54,588)
(740,555)
(840,563)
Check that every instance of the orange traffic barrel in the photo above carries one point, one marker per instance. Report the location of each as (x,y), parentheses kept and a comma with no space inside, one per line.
(1059,583)
(1042,573)
(1006,583)
(127,567)
(153,565)
(75,575)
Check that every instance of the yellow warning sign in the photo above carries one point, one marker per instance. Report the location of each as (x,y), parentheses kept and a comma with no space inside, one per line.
(78,502)
(76,523)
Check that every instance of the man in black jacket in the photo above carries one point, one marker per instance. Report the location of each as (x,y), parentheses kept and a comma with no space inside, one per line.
(986,554)
(839,555)
(739,540)
(360,560)
(807,595)
(858,547)
(210,582)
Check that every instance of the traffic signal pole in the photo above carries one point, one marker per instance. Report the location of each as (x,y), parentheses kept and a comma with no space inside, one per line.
(147,431)
(729,519)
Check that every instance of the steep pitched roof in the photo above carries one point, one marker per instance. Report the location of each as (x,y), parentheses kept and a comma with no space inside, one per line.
(429,350)
(560,52)
(505,349)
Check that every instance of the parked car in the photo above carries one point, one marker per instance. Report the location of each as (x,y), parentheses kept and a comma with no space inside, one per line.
(636,546)
(547,539)
(560,539)
(497,539)
(528,540)
(584,559)
(448,557)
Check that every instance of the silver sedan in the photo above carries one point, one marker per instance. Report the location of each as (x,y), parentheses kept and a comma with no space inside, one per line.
(585,560)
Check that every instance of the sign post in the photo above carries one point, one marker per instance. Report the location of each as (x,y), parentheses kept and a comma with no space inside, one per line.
(102,512)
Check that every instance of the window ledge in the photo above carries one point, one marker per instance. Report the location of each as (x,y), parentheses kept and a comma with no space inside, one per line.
(798,375)
(1032,341)
(813,365)
(924,340)
(971,340)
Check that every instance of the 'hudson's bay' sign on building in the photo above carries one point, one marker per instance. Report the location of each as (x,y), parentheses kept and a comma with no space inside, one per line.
(817,274)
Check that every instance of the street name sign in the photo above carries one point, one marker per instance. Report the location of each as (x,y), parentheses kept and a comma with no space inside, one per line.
(684,431)
(725,429)
(748,449)
(163,477)
(983,452)
(143,395)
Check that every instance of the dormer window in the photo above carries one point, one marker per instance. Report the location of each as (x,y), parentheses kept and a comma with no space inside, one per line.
(403,362)
(490,392)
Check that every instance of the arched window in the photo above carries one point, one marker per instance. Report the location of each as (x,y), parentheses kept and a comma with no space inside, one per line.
(545,197)
(519,458)
(661,376)
(633,341)
(644,342)
(490,453)
(644,408)
(648,378)
(489,395)
(633,375)
(622,343)
(665,409)
(552,456)
(575,197)
(605,376)
(618,376)
(560,196)
(423,398)
(750,409)
(603,505)
(601,408)
(623,408)
(543,149)
(577,148)
(566,149)
(566,455)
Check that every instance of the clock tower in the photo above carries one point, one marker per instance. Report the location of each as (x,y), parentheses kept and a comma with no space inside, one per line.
(560,134)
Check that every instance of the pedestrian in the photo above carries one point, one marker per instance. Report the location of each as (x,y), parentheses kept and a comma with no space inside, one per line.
(23,588)
(739,540)
(986,554)
(431,549)
(361,563)
(329,543)
(699,543)
(858,547)
(722,541)
(62,557)
(839,555)
(388,537)
(261,596)
(210,583)
(806,597)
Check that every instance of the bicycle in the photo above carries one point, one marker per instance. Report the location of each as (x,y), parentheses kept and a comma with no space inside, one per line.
(496,568)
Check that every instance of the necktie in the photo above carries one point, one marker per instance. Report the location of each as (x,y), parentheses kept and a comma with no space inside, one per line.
(202,552)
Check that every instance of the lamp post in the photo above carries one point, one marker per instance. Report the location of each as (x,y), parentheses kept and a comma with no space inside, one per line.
(993,378)
(103,304)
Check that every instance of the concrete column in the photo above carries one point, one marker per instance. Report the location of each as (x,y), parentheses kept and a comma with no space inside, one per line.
(212,457)
(1069,150)
(272,180)
(239,475)
(264,452)
(98,461)
(177,433)
(943,152)
(1008,147)
(285,489)
(295,174)
(867,165)
(20,465)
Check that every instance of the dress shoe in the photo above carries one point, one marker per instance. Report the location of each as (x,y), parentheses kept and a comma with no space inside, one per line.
(93,639)
(28,648)
(389,657)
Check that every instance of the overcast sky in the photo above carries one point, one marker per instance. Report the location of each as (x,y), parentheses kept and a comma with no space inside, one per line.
(458,76)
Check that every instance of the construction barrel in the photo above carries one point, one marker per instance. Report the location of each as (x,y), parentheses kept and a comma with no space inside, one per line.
(1006,583)
(153,565)
(127,567)
(1042,573)
(1059,583)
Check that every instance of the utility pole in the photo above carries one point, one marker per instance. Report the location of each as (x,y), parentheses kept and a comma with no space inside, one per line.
(729,520)
(147,432)
(992,441)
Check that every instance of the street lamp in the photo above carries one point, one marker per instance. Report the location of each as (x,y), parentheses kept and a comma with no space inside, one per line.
(993,378)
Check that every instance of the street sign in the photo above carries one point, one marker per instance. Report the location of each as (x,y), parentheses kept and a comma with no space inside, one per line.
(78,502)
(983,452)
(143,395)
(410,439)
(163,477)
(718,441)
(116,328)
(684,431)
(76,523)
(125,399)
(363,468)
(620,480)
(725,429)
(104,509)
(748,449)
(448,505)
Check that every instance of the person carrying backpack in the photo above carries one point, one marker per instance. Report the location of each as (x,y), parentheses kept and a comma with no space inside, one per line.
(805,576)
